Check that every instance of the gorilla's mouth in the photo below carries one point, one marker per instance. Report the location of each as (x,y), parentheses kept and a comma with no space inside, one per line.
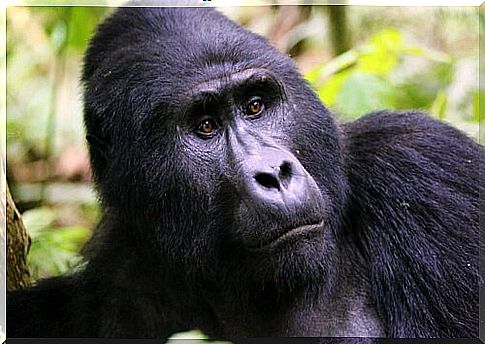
(291,235)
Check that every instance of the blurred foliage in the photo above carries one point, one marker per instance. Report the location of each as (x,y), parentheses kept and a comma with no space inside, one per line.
(44,49)
(45,141)
(400,58)
(54,250)
(388,73)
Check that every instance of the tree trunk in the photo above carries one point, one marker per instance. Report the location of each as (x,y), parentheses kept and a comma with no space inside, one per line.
(339,29)
(3,189)
(18,243)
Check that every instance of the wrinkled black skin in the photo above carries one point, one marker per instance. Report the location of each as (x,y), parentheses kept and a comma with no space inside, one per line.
(397,195)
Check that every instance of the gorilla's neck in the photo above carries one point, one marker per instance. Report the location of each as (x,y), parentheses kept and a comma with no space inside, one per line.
(347,311)
(343,310)
(233,311)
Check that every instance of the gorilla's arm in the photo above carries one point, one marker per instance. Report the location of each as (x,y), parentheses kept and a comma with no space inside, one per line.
(38,311)
(414,215)
(108,298)
(55,307)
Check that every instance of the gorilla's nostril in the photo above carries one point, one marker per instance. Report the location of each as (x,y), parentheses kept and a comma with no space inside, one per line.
(267,180)
(285,170)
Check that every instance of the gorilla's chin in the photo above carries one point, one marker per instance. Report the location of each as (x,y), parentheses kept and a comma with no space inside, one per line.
(299,257)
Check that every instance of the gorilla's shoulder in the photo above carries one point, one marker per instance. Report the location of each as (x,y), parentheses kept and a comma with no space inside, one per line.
(401,125)
(398,137)
(409,155)
(415,186)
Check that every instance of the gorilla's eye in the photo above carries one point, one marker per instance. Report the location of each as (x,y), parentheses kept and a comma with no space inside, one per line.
(207,127)
(254,107)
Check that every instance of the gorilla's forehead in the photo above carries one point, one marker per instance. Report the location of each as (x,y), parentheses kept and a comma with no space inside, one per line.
(177,43)
(142,60)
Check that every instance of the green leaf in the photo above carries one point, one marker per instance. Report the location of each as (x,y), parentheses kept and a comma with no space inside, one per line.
(478,106)
(339,64)
(53,251)
(438,108)
(382,54)
(331,88)
(363,92)
(389,39)
(379,62)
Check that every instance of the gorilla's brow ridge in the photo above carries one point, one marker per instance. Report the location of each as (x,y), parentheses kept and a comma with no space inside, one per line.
(217,84)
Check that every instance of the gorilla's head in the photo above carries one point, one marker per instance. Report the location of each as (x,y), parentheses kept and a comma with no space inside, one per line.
(207,143)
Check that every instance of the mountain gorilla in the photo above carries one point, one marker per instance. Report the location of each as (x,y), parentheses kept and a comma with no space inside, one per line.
(233,202)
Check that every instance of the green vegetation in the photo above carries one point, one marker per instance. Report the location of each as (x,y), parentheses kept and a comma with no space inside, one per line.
(387,73)
(53,250)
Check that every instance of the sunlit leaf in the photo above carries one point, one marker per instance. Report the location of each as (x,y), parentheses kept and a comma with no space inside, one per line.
(331,88)
(388,39)
(382,55)
(313,75)
(379,62)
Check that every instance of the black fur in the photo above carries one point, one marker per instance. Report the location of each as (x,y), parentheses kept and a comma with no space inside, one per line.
(182,241)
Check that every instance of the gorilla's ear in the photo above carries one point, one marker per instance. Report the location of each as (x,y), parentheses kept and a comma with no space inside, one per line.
(98,149)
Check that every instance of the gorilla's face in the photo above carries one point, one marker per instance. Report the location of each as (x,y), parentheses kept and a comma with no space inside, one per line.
(213,143)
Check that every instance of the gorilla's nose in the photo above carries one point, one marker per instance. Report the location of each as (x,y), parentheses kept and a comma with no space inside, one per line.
(277,179)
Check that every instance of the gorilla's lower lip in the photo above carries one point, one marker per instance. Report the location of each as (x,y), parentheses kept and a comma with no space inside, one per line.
(294,233)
